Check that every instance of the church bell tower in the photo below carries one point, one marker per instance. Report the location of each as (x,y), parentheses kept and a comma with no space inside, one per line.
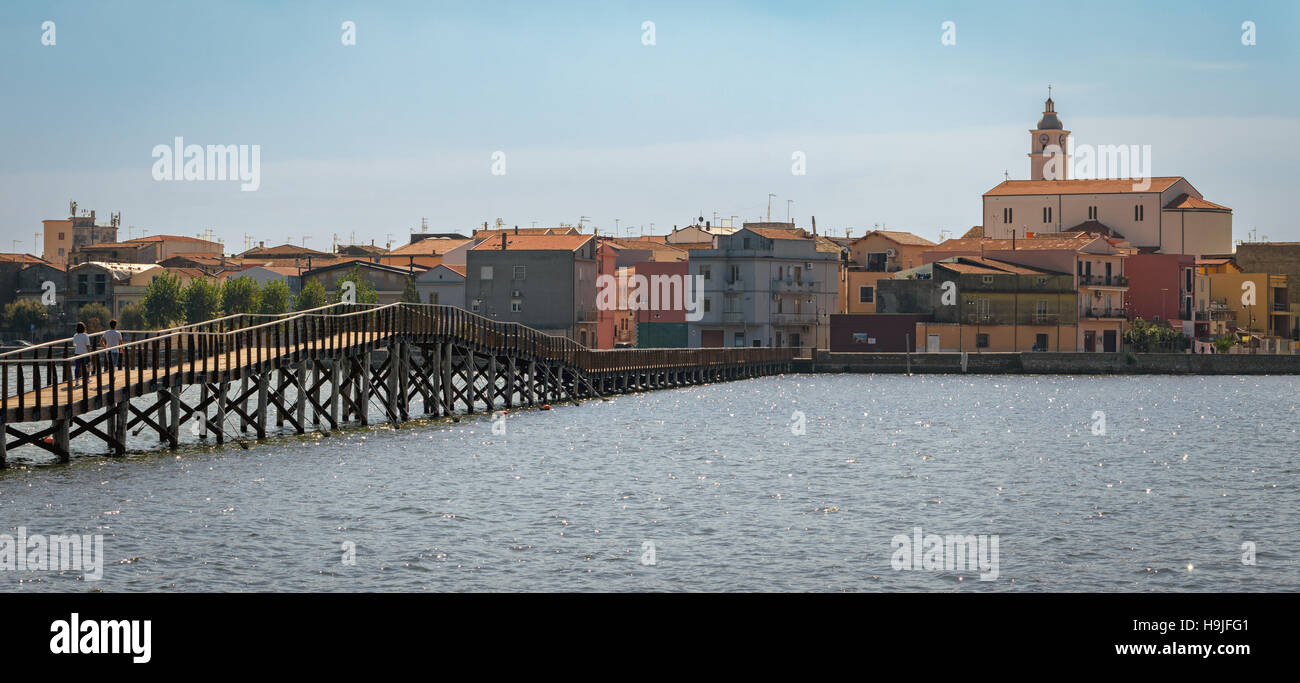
(1048,146)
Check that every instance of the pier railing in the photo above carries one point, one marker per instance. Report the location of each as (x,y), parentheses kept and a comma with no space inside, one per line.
(46,375)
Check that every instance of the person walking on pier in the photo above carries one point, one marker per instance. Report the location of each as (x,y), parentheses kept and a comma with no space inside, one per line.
(80,345)
(111,339)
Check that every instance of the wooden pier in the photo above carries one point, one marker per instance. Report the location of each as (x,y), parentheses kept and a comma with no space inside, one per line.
(322,369)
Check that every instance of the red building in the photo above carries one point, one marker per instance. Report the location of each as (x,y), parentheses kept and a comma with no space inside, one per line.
(1160,286)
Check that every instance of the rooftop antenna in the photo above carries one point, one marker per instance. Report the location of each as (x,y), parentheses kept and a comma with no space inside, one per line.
(389,237)
(304,240)
(788,202)
(72,208)
(769,206)
(115,219)
(1006,175)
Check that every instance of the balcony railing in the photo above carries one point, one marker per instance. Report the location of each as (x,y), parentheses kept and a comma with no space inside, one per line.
(733,317)
(794,318)
(1103,280)
(1104,313)
(1279,308)
(791,285)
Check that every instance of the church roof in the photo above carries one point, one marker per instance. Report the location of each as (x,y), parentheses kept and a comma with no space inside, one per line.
(1186,201)
(1099,186)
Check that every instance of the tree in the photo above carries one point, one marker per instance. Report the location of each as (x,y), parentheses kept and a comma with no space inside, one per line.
(20,316)
(365,290)
(240,295)
(311,296)
(1224,343)
(131,317)
(163,301)
(95,315)
(1143,336)
(410,295)
(275,297)
(202,300)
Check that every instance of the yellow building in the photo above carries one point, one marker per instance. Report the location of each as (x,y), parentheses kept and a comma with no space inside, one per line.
(1252,303)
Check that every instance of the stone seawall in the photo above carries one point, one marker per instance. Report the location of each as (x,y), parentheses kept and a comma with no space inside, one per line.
(1055,363)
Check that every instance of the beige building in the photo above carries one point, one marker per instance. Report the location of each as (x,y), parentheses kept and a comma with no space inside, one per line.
(875,256)
(64,236)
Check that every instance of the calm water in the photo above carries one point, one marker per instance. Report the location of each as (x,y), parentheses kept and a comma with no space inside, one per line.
(1189,468)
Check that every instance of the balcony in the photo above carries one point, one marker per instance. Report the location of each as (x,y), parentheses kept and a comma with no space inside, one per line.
(1279,308)
(794,318)
(1097,313)
(734,317)
(1116,281)
(734,285)
(792,285)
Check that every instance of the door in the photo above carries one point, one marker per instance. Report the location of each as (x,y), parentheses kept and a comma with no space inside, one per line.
(1089,341)
(1040,342)
(711,338)
(1108,341)
(932,343)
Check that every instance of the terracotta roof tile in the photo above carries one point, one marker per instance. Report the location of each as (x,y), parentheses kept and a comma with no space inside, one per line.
(1099,186)
(522,242)
(1186,201)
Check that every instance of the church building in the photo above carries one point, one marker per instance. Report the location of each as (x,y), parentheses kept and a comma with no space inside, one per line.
(1157,215)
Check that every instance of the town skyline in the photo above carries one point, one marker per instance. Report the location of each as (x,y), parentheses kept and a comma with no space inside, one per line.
(631,135)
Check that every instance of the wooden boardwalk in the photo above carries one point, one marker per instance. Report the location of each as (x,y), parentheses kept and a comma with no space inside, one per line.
(321,369)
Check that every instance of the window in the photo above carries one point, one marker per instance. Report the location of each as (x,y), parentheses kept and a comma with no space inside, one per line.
(101,283)
(707,304)
(1138,212)
(1047,214)
(521,272)
(1092,213)
(83,284)
(987,279)
(982,341)
(740,339)
(705,271)
(1042,309)
(1006,215)
(982,309)
(876,261)
(866,295)
(1042,281)
(516,305)
(433,298)
(475,304)
(485,273)
(733,273)
(746,241)
(61,237)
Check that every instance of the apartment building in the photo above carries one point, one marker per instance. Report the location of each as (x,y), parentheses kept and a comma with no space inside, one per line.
(1099,274)
(765,287)
(544,281)
(874,257)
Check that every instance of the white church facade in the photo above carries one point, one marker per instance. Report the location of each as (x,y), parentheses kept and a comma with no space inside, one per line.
(1158,214)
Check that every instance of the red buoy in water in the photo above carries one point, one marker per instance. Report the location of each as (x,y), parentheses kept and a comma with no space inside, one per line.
(49,440)
(546,406)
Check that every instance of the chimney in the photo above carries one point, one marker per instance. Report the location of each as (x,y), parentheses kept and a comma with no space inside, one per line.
(516,229)
(814,222)
(261,245)
(706,225)
(503,241)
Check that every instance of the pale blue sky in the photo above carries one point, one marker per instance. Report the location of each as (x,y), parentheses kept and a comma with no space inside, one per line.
(897,128)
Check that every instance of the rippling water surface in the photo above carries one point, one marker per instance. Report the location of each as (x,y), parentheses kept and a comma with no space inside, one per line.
(1189,469)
